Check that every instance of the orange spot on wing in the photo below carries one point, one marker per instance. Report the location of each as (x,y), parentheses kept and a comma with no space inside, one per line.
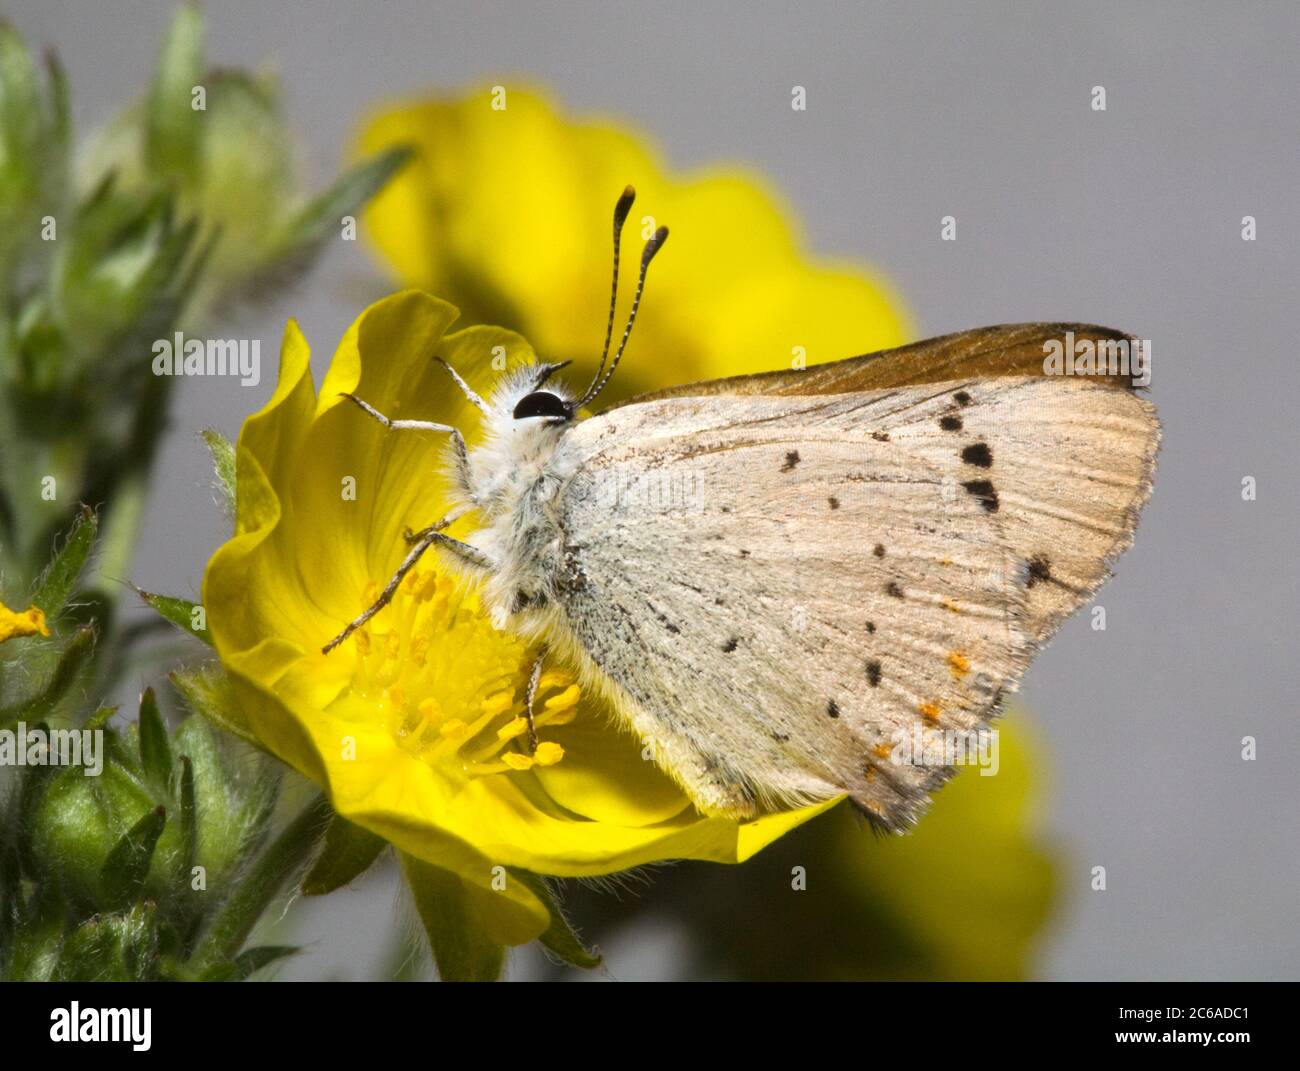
(929,710)
(951,605)
(958,664)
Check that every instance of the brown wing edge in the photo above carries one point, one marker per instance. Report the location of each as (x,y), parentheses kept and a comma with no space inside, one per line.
(999,350)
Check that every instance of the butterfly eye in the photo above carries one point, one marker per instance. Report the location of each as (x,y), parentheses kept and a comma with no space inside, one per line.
(542,403)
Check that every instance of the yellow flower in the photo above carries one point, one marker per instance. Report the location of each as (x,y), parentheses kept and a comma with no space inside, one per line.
(508,212)
(29,622)
(413,724)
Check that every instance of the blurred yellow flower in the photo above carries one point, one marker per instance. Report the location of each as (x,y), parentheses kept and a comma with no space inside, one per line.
(507,211)
(412,725)
(29,622)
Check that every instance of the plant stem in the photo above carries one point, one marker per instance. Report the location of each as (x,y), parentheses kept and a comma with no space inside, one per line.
(280,861)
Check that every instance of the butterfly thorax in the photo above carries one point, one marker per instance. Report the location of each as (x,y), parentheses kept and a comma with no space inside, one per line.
(515,476)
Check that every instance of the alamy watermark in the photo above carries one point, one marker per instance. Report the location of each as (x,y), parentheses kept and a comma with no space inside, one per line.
(21,746)
(656,491)
(922,746)
(1098,357)
(181,356)
(78,1024)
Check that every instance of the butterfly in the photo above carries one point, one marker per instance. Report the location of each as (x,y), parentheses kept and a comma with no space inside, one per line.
(773,577)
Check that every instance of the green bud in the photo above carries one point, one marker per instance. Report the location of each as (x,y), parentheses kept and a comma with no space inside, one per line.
(120,947)
(33,149)
(79,820)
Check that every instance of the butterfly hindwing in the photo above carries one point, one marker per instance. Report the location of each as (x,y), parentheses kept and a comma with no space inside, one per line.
(777,575)
(1065,463)
(775,589)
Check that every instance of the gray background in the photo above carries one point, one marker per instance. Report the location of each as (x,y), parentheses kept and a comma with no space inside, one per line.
(1130,217)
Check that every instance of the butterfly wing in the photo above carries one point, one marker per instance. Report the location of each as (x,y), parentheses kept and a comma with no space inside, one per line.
(985,352)
(1070,531)
(776,589)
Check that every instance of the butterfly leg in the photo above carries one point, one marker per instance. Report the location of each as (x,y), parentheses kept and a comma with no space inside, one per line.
(414,536)
(457,439)
(425,538)
(533,679)
(474,399)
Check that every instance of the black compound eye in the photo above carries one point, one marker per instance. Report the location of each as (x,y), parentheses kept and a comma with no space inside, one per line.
(542,403)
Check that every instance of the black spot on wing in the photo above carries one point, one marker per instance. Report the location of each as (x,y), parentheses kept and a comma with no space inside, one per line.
(791,460)
(832,708)
(985,492)
(1039,569)
(950,423)
(873,673)
(962,398)
(835,502)
(730,645)
(871,626)
(878,550)
(893,590)
(979,455)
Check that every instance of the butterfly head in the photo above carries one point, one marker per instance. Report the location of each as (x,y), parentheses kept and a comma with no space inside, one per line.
(529,408)
(542,401)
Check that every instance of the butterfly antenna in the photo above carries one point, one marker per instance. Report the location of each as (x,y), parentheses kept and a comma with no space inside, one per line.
(621,209)
(651,248)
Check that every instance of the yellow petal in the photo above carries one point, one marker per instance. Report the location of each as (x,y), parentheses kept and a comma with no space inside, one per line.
(325,492)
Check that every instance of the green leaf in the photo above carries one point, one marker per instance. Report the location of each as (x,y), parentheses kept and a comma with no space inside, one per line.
(223,460)
(348,852)
(559,938)
(100,718)
(180,612)
(207,692)
(74,656)
(56,584)
(155,750)
(173,131)
(38,937)
(60,106)
(322,216)
(189,820)
(127,864)
(248,963)
(446,905)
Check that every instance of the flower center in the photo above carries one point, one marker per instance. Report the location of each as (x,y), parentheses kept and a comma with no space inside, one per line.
(452,688)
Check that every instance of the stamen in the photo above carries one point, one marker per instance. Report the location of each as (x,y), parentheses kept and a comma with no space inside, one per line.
(548,753)
(416,668)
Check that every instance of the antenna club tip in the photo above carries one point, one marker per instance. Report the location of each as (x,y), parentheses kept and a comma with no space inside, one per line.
(624,206)
(629,191)
(655,244)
